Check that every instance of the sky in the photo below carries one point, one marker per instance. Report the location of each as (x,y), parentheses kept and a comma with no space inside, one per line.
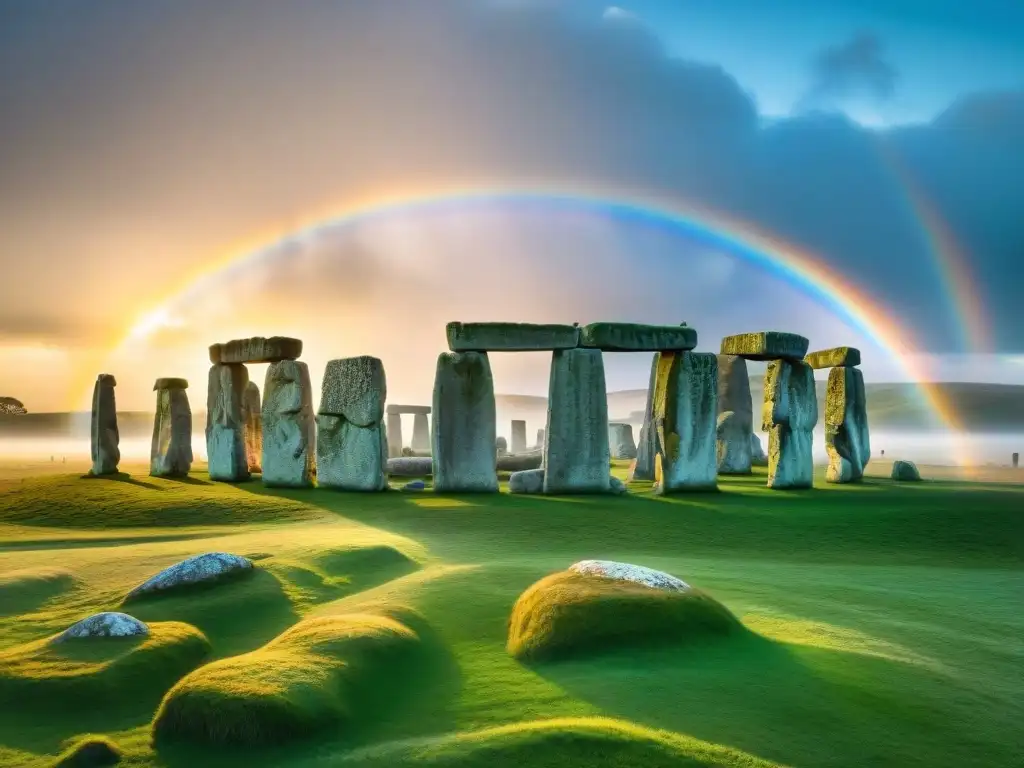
(145,145)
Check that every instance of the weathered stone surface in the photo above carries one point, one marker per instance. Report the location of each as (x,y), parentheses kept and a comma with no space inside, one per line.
(638,574)
(526,481)
(394,432)
(106,624)
(905,471)
(518,436)
(501,446)
(845,426)
(637,337)
(757,455)
(106,438)
(256,350)
(647,446)
(356,388)
(206,567)
(516,462)
(352,458)
(289,429)
(686,419)
(399,408)
(576,452)
(421,433)
(463,423)
(225,425)
(170,453)
(410,466)
(167,383)
(766,345)
(252,426)
(789,414)
(735,416)
(510,337)
(616,486)
(837,357)
(540,439)
(620,441)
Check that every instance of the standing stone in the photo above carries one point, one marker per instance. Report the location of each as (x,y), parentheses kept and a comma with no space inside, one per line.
(758,457)
(845,426)
(540,439)
(464,427)
(170,454)
(647,448)
(518,436)
(577,458)
(225,426)
(789,414)
(252,421)
(686,418)
(735,416)
(352,445)
(394,433)
(106,452)
(420,432)
(289,431)
(620,441)
(501,446)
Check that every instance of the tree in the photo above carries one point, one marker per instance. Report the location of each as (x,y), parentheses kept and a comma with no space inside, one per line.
(10,406)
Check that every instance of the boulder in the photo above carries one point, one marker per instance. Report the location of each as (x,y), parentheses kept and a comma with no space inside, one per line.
(766,345)
(256,350)
(616,486)
(463,419)
(410,466)
(513,462)
(170,453)
(620,441)
(421,432)
(107,624)
(905,471)
(837,357)
(686,419)
(356,388)
(289,429)
(735,416)
(168,383)
(526,481)
(757,455)
(638,574)
(501,446)
(350,457)
(396,444)
(201,568)
(510,337)
(106,453)
(518,436)
(647,447)
(576,452)
(789,414)
(225,425)
(845,426)
(637,337)
(252,426)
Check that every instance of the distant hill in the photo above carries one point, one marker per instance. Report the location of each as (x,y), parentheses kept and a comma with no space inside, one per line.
(983,408)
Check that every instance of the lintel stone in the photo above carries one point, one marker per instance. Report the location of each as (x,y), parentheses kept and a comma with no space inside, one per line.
(510,337)
(170,384)
(256,350)
(397,408)
(837,357)
(638,337)
(766,345)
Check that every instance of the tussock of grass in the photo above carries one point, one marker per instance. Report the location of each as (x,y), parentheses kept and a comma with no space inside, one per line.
(568,613)
(89,751)
(306,678)
(595,742)
(27,589)
(86,672)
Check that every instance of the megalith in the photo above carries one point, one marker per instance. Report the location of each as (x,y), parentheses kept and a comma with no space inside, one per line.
(105,437)
(847,441)
(647,447)
(789,414)
(252,425)
(289,431)
(225,425)
(352,445)
(463,416)
(540,439)
(735,416)
(576,453)
(620,441)
(518,436)
(421,431)
(686,418)
(170,454)
(394,434)
(501,446)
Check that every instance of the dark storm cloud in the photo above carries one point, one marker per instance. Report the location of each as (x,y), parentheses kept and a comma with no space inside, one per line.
(855,67)
(147,136)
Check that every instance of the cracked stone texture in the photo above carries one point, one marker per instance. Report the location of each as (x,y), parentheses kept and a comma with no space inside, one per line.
(510,337)
(789,414)
(647,446)
(766,345)
(106,453)
(170,453)
(837,357)
(686,419)
(610,569)
(463,424)
(225,428)
(638,337)
(356,388)
(350,457)
(846,426)
(735,416)
(289,428)
(256,350)
(106,624)
(194,570)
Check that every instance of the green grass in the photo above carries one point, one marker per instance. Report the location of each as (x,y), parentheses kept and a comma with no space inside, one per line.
(883,626)
(90,751)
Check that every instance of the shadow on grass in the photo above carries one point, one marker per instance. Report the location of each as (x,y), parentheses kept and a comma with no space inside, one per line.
(122,477)
(28,590)
(189,480)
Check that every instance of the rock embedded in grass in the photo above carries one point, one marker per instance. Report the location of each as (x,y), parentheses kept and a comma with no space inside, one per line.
(201,568)
(526,481)
(905,471)
(638,574)
(106,624)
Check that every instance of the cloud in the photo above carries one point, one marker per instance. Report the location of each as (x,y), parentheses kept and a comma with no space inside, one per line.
(855,67)
(147,163)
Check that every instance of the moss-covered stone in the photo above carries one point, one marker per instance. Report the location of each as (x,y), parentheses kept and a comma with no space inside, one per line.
(837,357)
(766,345)
(510,337)
(905,471)
(637,337)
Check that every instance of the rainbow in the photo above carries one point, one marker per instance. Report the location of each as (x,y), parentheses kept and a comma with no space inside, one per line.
(797,266)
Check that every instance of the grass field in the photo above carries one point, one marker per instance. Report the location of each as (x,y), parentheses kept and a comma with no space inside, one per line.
(884,626)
